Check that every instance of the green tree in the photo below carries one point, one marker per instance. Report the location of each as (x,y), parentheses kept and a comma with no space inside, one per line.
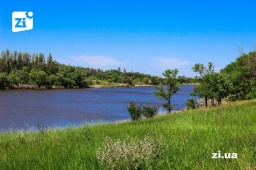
(149,111)
(192,104)
(212,85)
(51,81)
(134,111)
(243,76)
(23,75)
(21,68)
(51,66)
(202,70)
(171,87)
(3,81)
(203,90)
(182,80)
(38,77)
(13,78)
(220,86)
(79,77)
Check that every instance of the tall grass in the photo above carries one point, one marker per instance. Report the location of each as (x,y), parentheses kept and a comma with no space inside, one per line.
(192,137)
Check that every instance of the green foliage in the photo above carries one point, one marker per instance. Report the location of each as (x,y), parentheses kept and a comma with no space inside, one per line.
(171,87)
(13,78)
(3,81)
(129,78)
(38,77)
(134,111)
(202,70)
(150,111)
(221,86)
(243,76)
(21,68)
(236,81)
(192,104)
(212,85)
(187,80)
(203,90)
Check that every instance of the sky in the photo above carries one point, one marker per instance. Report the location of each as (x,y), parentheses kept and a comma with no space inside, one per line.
(147,36)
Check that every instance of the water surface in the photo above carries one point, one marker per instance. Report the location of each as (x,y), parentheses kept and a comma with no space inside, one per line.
(33,109)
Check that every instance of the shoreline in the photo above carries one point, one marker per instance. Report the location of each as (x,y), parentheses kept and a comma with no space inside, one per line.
(34,87)
(93,123)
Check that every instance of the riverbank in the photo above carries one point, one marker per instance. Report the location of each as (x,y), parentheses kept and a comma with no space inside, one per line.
(35,87)
(192,136)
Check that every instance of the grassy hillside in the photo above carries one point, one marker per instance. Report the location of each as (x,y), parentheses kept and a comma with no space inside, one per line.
(192,137)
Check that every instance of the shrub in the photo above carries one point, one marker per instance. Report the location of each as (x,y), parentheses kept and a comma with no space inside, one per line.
(3,81)
(251,95)
(192,104)
(134,111)
(131,153)
(150,111)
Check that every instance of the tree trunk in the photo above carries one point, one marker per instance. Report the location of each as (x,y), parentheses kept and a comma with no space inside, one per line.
(206,103)
(169,109)
(219,101)
(169,102)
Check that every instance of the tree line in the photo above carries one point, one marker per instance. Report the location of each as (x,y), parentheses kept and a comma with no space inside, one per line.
(237,81)
(25,70)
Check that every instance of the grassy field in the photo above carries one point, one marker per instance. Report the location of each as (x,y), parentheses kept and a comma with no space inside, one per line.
(192,137)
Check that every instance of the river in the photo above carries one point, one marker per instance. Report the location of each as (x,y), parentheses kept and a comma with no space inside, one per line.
(33,109)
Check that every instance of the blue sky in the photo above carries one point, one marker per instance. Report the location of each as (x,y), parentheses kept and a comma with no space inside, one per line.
(145,36)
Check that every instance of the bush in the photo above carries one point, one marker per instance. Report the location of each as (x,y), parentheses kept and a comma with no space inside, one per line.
(131,153)
(3,81)
(134,111)
(192,104)
(252,94)
(150,111)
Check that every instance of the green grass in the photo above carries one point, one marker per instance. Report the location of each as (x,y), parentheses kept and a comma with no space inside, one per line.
(192,135)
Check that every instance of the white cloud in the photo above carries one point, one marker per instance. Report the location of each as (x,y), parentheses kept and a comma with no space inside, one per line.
(97,61)
(171,62)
